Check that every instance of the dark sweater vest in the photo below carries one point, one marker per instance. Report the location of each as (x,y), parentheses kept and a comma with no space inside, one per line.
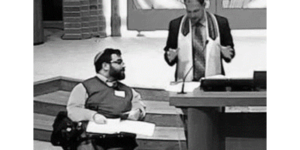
(102,98)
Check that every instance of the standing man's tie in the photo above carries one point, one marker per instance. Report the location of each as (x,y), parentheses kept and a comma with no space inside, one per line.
(198,52)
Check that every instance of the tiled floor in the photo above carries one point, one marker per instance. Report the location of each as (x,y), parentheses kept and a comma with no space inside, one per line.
(145,66)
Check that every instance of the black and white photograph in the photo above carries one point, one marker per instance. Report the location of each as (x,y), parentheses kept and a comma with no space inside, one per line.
(151,75)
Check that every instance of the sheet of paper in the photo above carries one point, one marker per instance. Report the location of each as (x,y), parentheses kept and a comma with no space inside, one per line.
(188,86)
(216,77)
(111,127)
(137,127)
(117,126)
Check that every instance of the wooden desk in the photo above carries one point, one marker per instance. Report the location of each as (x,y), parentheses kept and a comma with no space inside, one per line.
(203,115)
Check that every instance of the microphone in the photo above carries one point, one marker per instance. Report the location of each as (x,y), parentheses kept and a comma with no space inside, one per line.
(183,80)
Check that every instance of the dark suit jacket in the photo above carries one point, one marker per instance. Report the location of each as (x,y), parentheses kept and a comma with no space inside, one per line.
(172,41)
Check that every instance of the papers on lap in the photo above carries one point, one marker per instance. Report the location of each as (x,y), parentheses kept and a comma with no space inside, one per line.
(116,126)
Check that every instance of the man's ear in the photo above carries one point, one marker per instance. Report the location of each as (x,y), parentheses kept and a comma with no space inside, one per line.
(105,66)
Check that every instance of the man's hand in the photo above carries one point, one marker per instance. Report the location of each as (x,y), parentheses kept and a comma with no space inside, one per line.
(172,54)
(135,114)
(99,119)
(227,53)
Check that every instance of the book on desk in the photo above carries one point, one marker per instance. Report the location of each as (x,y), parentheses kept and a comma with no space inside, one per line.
(222,83)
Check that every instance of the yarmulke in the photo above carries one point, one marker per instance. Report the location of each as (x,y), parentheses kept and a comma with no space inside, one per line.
(98,56)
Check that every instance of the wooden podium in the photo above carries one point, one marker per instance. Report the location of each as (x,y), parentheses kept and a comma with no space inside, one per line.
(203,110)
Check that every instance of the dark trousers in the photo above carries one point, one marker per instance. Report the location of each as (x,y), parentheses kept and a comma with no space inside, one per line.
(115,143)
(94,141)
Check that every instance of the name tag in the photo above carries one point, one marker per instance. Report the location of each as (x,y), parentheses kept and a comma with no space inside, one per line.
(120,93)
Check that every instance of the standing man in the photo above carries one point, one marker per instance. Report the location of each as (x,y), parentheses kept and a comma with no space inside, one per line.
(102,97)
(197,42)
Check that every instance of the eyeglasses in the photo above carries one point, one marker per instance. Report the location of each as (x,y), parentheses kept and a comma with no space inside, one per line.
(120,62)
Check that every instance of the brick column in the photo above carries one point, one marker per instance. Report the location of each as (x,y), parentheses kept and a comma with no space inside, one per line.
(101,20)
(72,19)
(97,19)
(83,19)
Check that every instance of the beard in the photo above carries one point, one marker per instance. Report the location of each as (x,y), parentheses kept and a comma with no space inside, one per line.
(117,74)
